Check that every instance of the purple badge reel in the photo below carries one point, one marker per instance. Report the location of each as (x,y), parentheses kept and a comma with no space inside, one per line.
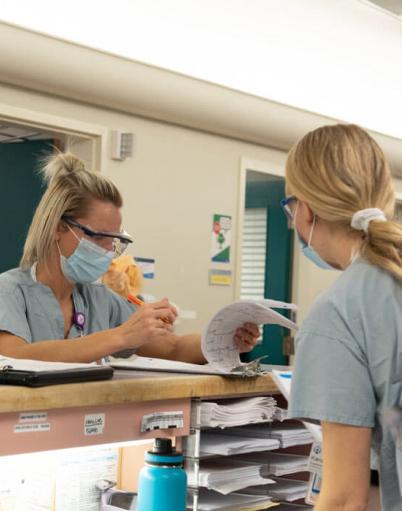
(79,320)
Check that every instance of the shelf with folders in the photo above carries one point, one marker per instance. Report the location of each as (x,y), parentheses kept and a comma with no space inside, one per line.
(242,466)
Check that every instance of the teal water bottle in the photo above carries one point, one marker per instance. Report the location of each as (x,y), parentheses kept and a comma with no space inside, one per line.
(163,481)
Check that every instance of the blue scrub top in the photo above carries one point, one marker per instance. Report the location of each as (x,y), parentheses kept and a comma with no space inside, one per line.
(30,310)
(348,366)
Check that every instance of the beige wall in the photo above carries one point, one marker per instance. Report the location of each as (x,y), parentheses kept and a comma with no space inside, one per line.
(177,179)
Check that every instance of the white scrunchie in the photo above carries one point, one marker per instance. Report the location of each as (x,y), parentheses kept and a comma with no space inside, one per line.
(362,218)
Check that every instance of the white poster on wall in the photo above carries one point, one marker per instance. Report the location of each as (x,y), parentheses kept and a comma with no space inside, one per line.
(221,238)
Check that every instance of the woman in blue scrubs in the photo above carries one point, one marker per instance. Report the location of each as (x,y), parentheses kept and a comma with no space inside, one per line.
(51,307)
(348,366)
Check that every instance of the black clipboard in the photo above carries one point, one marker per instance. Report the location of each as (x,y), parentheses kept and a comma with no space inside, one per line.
(10,376)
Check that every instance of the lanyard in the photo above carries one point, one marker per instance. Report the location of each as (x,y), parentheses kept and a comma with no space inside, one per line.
(78,317)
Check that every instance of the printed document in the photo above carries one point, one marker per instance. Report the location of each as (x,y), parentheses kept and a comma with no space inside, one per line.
(217,342)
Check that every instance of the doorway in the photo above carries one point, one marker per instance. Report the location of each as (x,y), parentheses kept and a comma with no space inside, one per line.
(22,149)
(266,256)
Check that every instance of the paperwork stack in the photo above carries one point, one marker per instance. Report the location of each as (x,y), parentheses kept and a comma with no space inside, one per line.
(235,412)
(288,434)
(228,476)
(209,500)
(282,489)
(276,464)
(217,345)
(292,507)
(213,443)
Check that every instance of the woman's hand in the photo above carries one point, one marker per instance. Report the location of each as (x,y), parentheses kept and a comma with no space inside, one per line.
(246,336)
(151,320)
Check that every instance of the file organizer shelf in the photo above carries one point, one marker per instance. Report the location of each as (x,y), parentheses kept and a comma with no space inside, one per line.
(192,451)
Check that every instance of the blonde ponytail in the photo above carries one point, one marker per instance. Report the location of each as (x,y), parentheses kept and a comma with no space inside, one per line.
(340,170)
(70,191)
(382,246)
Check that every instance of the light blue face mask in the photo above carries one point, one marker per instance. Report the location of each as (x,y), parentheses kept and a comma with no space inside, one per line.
(309,251)
(87,263)
(311,254)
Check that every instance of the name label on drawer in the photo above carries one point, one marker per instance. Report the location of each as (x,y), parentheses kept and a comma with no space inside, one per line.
(94,424)
(33,416)
(32,428)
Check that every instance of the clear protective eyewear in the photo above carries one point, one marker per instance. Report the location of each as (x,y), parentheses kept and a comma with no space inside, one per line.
(285,206)
(120,240)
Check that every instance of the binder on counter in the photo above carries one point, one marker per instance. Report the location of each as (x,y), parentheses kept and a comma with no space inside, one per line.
(35,373)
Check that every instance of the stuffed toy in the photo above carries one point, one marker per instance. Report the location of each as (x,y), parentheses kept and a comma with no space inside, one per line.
(124,277)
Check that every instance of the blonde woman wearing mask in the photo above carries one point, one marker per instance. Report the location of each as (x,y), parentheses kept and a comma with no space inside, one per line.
(348,366)
(52,309)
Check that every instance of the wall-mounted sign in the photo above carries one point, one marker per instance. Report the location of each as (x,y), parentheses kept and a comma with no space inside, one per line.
(220,277)
(147,267)
(221,238)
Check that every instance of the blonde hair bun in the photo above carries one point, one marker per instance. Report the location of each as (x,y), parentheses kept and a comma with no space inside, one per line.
(55,166)
(71,189)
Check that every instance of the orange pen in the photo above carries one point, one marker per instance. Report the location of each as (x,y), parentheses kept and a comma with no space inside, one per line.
(137,301)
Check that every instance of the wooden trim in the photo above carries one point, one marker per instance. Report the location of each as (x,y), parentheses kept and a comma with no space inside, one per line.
(130,387)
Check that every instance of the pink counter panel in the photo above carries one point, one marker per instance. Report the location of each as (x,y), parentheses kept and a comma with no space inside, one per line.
(22,432)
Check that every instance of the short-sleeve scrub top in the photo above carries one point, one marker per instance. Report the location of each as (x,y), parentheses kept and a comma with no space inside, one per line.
(348,366)
(30,310)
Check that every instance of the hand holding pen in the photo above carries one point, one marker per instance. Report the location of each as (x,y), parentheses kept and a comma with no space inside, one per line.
(137,301)
(149,321)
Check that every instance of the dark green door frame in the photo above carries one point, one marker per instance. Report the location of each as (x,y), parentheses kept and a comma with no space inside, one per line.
(267,194)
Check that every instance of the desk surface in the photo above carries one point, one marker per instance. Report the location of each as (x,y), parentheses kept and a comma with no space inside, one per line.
(129,387)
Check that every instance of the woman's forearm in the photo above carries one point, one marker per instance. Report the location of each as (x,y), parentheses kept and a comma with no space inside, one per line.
(83,349)
(185,348)
(337,503)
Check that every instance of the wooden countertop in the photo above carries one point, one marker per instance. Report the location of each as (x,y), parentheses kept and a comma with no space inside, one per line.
(129,387)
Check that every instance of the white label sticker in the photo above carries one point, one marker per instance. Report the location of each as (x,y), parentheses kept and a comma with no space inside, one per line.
(33,416)
(162,420)
(314,489)
(94,424)
(32,428)
(315,459)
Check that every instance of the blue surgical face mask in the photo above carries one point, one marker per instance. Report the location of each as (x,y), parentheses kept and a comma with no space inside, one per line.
(308,250)
(311,254)
(87,263)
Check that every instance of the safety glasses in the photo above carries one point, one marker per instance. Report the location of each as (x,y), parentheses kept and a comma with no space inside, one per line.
(286,208)
(120,240)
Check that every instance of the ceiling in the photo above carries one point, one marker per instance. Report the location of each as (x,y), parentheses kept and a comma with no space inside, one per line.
(337,58)
(133,87)
(393,7)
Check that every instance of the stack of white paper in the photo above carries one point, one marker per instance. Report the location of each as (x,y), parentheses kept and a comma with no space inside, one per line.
(292,507)
(276,464)
(291,434)
(217,443)
(235,412)
(284,381)
(209,500)
(228,476)
(280,414)
(288,434)
(283,489)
